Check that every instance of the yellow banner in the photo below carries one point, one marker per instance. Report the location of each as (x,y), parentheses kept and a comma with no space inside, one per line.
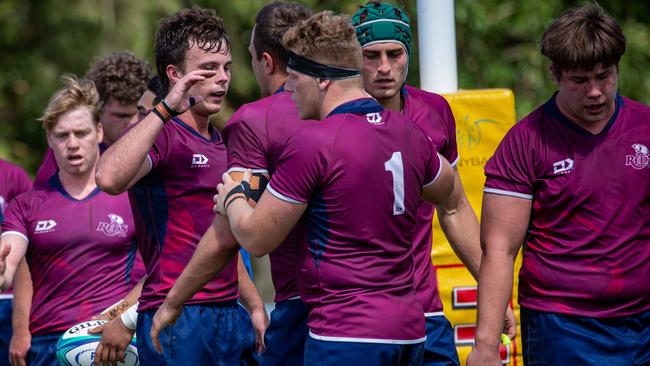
(482,119)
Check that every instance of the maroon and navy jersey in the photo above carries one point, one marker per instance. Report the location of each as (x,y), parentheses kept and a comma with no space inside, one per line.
(174,210)
(432,114)
(361,172)
(588,243)
(78,252)
(42,180)
(255,137)
(13,181)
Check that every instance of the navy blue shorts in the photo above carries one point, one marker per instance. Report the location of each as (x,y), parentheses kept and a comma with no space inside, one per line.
(214,334)
(556,339)
(439,347)
(43,350)
(5,330)
(328,353)
(286,334)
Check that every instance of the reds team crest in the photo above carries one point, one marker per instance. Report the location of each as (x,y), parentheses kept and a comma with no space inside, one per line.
(641,159)
(116,227)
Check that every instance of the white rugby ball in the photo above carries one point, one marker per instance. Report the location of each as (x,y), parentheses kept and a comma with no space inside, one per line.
(77,348)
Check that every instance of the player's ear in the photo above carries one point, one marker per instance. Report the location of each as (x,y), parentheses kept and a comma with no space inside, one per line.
(100,132)
(323,84)
(269,63)
(556,74)
(173,73)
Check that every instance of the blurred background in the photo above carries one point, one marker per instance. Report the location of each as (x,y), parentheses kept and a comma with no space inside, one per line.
(497,47)
(496,44)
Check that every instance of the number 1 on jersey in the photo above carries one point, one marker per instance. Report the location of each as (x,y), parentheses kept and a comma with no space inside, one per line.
(396,168)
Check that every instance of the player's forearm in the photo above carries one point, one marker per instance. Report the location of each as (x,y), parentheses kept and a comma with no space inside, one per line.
(462,230)
(125,303)
(249,297)
(213,253)
(250,236)
(494,292)
(119,165)
(22,302)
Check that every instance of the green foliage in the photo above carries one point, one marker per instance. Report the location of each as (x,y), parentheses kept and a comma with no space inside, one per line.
(497,47)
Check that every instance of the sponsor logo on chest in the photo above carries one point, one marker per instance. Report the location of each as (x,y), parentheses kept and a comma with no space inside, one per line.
(563,166)
(374,118)
(640,159)
(115,227)
(199,161)
(44,226)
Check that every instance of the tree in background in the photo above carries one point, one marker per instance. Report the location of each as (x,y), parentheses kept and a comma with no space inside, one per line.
(497,47)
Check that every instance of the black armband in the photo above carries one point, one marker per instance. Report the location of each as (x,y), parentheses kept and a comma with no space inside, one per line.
(257,188)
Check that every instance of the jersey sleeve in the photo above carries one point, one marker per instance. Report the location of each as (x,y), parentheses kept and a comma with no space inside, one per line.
(450,150)
(16,220)
(433,169)
(243,143)
(510,170)
(300,168)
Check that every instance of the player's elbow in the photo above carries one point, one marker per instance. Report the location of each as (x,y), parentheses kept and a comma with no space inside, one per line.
(107,182)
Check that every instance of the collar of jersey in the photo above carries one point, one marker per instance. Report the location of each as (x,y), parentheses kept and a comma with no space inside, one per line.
(55,182)
(214,136)
(358,106)
(551,108)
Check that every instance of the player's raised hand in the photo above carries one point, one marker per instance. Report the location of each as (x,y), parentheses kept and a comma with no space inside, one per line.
(178,97)
(165,315)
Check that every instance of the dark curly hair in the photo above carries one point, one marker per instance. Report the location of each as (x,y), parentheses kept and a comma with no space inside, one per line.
(120,76)
(178,32)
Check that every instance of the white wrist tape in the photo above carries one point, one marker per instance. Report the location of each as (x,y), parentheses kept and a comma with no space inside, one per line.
(130,317)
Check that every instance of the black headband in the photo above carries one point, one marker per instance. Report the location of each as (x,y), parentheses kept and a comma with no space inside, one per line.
(315,69)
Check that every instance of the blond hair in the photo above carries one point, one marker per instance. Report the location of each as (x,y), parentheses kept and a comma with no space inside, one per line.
(75,93)
(325,38)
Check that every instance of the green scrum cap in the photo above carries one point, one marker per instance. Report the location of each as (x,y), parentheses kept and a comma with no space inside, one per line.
(378,22)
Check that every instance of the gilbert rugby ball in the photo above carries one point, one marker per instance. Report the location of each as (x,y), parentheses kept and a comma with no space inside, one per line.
(77,348)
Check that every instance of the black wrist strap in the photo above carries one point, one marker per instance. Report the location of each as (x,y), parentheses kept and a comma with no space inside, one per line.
(233,199)
(243,188)
(169,109)
(155,111)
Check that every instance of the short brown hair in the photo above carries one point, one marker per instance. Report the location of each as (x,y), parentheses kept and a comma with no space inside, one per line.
(120,76)
(326,38)
(581,38)
(75,93)
(271,23)
(178,32)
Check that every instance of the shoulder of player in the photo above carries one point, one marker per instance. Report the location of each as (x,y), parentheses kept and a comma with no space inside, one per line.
(251,114)
(12,169)
(636,108)
(432,99)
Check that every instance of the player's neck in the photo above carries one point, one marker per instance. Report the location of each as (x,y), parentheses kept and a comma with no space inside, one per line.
(275,83)
(337,96)
(198,122)
(78,186)
(393,103)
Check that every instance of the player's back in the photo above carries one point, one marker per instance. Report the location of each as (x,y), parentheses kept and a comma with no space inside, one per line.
(369,165)
(256,136)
